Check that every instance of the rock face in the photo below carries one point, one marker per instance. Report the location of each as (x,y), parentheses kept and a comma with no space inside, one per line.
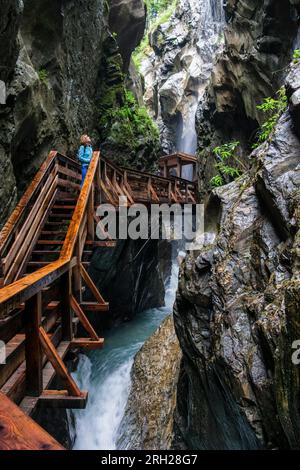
(236,312)
(132,276)
(259,39)
(178,68)
(127,18)
(52,54)
(148,417)
(60,63)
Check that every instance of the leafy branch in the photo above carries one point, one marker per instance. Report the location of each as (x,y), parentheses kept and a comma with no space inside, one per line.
(226,153)
(273,108)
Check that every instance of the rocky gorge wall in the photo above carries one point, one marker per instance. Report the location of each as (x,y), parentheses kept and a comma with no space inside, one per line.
(236,313)
(177,66)
(63,63)
(259,38)
(50,67)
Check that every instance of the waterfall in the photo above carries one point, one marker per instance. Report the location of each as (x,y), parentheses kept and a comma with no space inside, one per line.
(107,376)
(209,39)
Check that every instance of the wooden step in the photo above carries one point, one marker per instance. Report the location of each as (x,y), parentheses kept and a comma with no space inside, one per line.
(29,404)
(65,207)
(88,344)
(56,223)
(37,264)
(107,244)
(61,399)
(50,242)
(63,215)
(19,432)
(94,306)
(53,232)
(45,252)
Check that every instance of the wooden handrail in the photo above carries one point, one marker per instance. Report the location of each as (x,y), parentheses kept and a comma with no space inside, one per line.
(12,222)
(19,291)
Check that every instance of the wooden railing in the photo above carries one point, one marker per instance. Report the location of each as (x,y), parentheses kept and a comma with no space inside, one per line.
(141,187)
(37,309)
(20,233)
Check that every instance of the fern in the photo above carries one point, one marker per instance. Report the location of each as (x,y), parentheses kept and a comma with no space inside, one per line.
(224,153)
(273,108)
(296,56)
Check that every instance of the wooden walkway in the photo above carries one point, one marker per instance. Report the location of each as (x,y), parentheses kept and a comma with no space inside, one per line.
(45,251)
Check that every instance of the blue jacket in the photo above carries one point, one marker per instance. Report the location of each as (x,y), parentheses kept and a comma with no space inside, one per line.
(85,154)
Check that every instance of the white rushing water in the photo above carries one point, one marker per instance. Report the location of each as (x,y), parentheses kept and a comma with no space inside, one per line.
(106,374)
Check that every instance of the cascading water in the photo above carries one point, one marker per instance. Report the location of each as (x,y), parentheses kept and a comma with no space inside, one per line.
(106,374)
(210,20)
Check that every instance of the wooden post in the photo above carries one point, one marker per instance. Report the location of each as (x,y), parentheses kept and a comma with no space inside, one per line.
(165,169)
(178,167)
(149,188)
(90,215)
(98,184)
(66,311)
(33,352)
(77,275)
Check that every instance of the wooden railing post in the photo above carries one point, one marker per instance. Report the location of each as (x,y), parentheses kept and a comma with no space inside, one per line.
(77,281)
(90,215)
(149,188)
(66,311)
(33,351)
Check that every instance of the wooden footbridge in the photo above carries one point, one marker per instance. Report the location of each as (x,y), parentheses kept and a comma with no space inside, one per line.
(45,251)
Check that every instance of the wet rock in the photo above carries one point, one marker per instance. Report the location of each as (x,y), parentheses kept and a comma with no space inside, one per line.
(178,67)
(148,418)
(293,91)
(51,69)
(259,38)
(127,18)
(235,313)
(131,277)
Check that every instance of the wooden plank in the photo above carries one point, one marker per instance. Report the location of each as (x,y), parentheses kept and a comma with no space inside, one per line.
(83,319)
(23,240)
(33,353)
(19,210)
(87,344)
(66,311)
(67,172)
(58,364)
(88,280)
(94,307)
(15,355)
(60,399)
(15,387)
(72,235)
(19,432)
(68,184)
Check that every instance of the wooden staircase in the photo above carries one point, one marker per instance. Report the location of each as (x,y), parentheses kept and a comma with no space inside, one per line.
(45,248)
(45,251)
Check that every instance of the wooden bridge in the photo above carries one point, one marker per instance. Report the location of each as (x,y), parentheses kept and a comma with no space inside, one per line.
(45,251)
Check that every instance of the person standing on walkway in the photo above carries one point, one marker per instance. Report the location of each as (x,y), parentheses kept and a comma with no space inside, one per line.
(85,154)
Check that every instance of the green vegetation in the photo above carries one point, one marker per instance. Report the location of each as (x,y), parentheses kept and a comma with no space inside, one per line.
(128,125)
(296,56)
(159,12)
(228,164)
(273,108)
(43,75)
